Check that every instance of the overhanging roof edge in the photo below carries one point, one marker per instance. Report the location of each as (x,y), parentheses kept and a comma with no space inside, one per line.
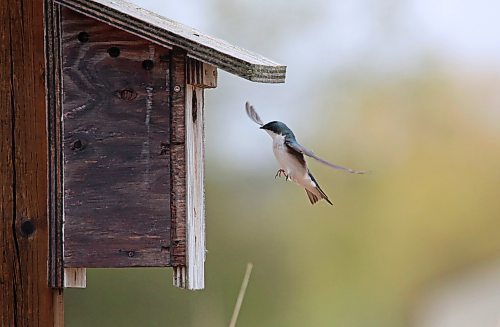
(168,33)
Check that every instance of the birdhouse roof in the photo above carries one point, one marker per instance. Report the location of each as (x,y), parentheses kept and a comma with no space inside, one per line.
(169,33)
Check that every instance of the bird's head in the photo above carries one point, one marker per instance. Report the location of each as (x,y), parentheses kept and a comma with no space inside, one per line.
(278,128)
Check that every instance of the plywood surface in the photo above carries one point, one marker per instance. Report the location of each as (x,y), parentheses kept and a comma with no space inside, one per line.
(116,147)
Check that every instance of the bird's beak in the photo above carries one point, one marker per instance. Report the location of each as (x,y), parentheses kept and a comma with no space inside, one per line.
(261,127)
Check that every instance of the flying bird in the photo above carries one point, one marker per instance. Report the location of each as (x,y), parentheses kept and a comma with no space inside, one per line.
(290,156)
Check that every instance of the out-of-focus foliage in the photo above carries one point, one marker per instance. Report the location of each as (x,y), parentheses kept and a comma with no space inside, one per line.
(429,207)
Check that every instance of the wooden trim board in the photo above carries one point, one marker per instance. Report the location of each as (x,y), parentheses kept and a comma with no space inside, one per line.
(195,220)
(75,277)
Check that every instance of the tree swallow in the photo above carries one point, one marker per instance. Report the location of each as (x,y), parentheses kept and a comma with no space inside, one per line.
(290,156)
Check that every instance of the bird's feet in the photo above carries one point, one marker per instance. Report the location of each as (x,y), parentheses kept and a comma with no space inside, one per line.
(281,172)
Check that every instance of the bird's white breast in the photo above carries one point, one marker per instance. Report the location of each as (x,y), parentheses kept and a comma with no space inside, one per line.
(293,168)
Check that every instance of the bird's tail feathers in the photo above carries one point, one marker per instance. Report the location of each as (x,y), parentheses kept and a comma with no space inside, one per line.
(312,197)
(320,194)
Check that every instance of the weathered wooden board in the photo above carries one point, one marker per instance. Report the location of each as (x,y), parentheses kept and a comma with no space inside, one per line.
(190,218)
(166,32)
(25,297)
(201,75)
(75,277)
(195,220)
(178,156)
(117,168)
(53,68)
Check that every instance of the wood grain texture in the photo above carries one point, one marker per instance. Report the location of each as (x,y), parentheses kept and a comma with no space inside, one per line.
(26,299)
(58,305)
(54,106)
(116,147)
(169,33)
(178,156)
(200,74)
(8,257)
(195,194)
(75,277)
(179,278)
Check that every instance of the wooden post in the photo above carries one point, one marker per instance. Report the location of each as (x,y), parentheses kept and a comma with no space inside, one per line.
(25,297)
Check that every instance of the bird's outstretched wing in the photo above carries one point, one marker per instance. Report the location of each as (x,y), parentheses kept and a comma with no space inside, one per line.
(252,114)
(299,148)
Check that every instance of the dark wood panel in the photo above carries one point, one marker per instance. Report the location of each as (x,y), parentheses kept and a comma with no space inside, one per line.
(116,147)
(25,298)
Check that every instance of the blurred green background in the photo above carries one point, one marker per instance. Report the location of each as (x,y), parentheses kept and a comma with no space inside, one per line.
(406,89)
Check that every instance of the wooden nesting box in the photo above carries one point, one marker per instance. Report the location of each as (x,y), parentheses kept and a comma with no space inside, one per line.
(125,97)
